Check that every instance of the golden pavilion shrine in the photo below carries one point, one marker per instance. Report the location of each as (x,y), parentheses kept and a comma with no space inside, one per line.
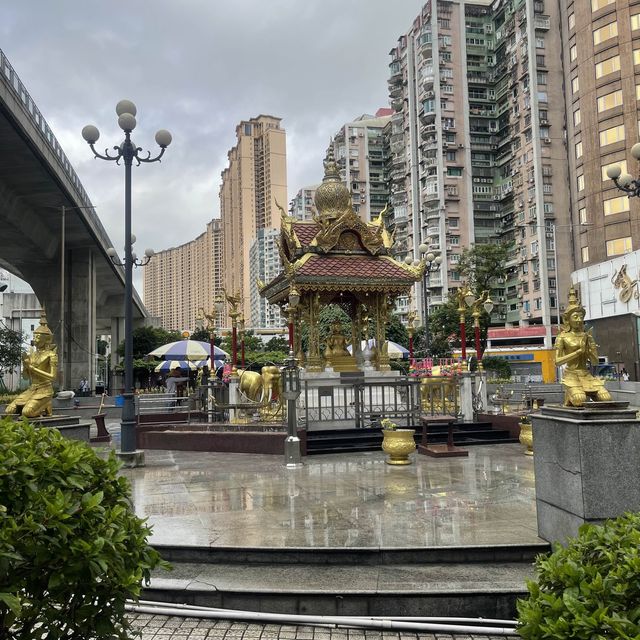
(339,259)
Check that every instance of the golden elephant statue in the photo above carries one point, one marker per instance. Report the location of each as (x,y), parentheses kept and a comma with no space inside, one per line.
(263,387)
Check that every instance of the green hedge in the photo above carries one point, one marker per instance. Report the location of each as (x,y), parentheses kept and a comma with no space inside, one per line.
(590,589)
(72,551)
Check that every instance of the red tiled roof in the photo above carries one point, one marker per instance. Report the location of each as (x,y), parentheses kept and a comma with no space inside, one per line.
(306,231)
(354,268)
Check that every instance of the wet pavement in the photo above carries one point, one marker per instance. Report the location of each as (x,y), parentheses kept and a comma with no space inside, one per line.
(340,500)
(333,501)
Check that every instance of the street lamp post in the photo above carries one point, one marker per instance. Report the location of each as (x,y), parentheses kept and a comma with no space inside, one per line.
(291,388)
(461,313)
(483,302)
(241,329)
(294,300)
(127,151)
(625,181)
(432,264)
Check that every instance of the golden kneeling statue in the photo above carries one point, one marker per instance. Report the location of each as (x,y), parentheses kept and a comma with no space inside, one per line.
(40,365)
(575,347)
(336,353)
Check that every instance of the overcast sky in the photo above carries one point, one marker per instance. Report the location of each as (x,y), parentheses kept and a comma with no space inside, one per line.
(196,68)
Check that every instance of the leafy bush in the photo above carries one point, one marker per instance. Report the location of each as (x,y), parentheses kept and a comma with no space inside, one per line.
(590,589)
(71,548)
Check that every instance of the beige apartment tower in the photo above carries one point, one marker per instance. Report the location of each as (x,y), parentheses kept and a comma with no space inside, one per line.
(602,80)
(179,281)
(255,179)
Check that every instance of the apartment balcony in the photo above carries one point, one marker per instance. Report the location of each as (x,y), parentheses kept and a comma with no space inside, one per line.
(399,161)
(398,175)
(396,91)
(428,196)
(433,231)
(397,105)
(542,23)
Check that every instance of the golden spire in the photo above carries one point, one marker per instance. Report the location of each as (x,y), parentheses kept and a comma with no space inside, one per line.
(332,196)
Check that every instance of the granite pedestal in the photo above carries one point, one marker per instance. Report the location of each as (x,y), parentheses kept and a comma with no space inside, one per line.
(586,466)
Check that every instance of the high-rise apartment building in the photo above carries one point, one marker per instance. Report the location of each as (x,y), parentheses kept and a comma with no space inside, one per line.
(264,265)
(362,159)
(302,207)
(254,181)
(477,146)
(602,87)
(178,282)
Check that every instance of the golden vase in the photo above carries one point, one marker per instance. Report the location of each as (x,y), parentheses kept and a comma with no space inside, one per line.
(398,444)
(526,437)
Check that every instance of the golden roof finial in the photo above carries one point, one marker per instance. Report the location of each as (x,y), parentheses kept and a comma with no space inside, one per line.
(332,196)
(44,326)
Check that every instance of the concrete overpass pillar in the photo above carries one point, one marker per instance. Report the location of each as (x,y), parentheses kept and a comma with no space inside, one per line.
(80,319)
(117,336)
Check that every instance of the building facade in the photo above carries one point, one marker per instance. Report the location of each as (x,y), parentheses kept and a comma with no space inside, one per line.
(302,207)
(477,147)
(253,185)
(180,281)
(265,264)
(361,154)
(602,79)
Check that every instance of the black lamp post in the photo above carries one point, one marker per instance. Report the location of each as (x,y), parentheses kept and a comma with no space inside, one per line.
(291,388)
(127,151)
(432,264)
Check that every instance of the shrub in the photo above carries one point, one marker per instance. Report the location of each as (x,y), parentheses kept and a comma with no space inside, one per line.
(499,366)
(71,548)
(590,589)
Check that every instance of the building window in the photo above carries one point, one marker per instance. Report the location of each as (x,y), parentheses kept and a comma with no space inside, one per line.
(578,150)
(621,163)
(585,254)
(539,43)
(582,215)
(618,246)
(636,56)
(451,156)
(454,171)
(635,22)
(616,205)
(610,100)
(580,182)
(573,52)
(575,85)
(577,119)
(599,4)
(572,21)
(611,135)
(605,33)
(610,65)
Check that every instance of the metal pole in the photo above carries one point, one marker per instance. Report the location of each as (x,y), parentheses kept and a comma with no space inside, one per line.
(63,346)
(292,443)
(555,260)
(128,424)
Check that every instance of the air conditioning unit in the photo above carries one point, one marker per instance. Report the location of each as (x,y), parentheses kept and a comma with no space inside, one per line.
(460,146)
(502,299)
(360,134)
(496,197)
(547,140)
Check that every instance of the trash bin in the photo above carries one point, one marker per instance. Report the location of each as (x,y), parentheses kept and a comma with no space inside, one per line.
(119,401)
(99,388)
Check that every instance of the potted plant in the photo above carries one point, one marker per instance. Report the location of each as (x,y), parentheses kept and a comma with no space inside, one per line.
(397,443)
(526,434)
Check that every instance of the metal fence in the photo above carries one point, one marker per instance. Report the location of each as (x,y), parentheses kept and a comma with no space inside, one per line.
(358,404)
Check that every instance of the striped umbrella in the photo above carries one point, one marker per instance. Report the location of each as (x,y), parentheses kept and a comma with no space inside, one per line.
(170,365)
(207,363)
(186,350)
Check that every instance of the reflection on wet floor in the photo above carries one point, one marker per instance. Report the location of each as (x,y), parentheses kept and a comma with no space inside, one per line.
(342,500)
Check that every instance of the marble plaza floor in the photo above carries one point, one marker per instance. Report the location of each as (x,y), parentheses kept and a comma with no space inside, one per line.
(341,500)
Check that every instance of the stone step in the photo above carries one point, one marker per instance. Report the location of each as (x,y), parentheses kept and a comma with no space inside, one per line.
(463,588)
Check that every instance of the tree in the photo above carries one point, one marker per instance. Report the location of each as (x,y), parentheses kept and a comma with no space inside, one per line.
(10,349)
(482,264)
(277,343)
(146,339)
(397,332)
(203,335)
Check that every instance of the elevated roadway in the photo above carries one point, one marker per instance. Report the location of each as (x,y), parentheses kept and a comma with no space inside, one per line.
(51,236)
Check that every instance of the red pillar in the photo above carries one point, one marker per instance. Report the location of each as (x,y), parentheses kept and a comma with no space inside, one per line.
(212,344)
(290,334)
(476,329)
(463,338)
(410,348)
(234,346)
(242,348)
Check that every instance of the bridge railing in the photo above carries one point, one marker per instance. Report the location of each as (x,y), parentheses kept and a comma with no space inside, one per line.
(11,80)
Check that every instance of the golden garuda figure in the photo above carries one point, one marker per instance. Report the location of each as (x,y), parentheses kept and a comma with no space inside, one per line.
(575,348)
(40,366)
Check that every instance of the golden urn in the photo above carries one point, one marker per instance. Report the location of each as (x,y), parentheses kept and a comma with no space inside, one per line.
(398,444)
(526,436)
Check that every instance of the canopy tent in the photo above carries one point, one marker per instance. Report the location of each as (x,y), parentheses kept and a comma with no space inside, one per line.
(187,350)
